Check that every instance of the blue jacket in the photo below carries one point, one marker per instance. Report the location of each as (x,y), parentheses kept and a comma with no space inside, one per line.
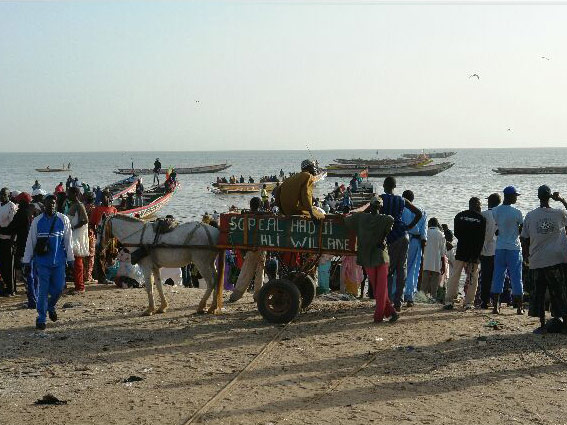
(60,240)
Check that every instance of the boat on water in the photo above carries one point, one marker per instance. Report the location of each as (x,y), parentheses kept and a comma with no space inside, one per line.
(432,155)
(52,170)
(153,200)
(226,188)
(385,162)
(421,170)
(531,170)
(122,187)
(183,170)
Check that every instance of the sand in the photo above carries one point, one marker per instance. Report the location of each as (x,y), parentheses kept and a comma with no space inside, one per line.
(330,365)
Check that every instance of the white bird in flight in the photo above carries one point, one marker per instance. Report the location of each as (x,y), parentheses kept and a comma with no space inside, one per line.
(543,57)
(474,75)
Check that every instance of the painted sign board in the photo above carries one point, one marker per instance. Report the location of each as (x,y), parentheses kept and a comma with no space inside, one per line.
(292,233)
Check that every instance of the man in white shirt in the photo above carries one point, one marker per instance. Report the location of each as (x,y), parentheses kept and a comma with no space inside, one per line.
(433,258)
(488,250)
(7,211)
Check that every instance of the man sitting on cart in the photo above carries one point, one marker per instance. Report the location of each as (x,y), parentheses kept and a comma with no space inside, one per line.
(295,195)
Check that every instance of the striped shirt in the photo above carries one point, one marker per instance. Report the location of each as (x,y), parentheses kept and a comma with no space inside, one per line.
(394,205)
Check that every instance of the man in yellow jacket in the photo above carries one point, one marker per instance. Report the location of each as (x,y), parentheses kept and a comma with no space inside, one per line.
(295,195)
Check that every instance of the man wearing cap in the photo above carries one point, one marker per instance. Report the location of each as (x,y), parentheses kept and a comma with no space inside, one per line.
(55,230)
(157,169)
(488,250)
(371,231)
(295,195)
(397,239)
(508,253)
(544,235)
(470,227)
(7,212)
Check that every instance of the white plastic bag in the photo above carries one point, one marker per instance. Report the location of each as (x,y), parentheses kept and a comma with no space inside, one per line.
(80,238)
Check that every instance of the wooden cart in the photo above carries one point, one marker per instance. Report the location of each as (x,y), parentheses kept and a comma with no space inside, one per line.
(281,298)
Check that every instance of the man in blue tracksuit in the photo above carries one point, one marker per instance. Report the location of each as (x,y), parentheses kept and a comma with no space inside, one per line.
(49,265)
(417,240)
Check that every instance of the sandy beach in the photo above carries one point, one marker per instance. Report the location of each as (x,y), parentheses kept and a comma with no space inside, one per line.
(330,365)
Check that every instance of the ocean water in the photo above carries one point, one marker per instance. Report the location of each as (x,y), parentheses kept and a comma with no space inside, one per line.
(442,196)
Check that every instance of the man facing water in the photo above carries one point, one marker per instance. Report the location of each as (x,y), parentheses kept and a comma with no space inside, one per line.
(397,239)
(470,227)
(544,235)
(508,254)
(488,251)
(417,240)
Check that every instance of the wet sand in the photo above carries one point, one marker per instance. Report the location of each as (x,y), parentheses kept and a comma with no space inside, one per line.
(331,365)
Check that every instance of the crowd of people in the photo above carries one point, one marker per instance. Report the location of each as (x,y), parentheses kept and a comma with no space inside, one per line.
(400,250)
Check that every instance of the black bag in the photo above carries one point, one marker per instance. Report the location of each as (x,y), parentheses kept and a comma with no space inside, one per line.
(42,244)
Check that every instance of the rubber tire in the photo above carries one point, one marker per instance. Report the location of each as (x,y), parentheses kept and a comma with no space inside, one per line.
(288,292)
(306,286)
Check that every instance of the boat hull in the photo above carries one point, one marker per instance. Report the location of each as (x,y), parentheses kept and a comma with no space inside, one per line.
(532,170)
(149,210)
(191,170)
(426,170)
(52,170)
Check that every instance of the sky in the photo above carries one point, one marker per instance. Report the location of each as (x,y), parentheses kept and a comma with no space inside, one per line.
(175,75)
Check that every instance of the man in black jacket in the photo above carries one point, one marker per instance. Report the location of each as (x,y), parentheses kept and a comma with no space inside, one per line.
(470,227)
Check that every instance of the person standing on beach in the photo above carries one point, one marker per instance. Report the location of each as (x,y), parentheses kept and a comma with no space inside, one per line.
(49,245)
(7,212)
(99,213)
(79,224)
(371,231)
(544,236)
(417,240)
(434,259)
(470,227)
(508,254)
(488,251)
(157,170)
(397,239)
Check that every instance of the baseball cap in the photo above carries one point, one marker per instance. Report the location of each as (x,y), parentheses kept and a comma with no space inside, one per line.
(510,190)
(544,191)
(23,197)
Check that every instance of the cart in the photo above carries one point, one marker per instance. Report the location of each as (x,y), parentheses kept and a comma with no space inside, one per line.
(282,298)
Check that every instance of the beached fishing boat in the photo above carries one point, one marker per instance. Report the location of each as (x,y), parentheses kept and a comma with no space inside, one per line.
(122,187)
(531,170)
(182,170)
(424,170)
(153,200)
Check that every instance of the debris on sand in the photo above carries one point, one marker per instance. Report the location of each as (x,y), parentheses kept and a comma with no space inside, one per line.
(51,400)
(133,378)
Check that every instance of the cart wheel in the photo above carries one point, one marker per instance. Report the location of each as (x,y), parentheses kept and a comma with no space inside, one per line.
(279,301)
(306,287)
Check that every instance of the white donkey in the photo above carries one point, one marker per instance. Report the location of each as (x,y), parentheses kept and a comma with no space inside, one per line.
(189,242)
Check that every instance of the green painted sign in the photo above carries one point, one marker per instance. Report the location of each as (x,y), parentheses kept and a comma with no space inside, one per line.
(273,232)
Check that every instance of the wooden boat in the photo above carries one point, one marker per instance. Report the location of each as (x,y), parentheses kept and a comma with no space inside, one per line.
(122,187)
(52,170)
(425,170)
(242,187)
(191,170)
(531,170)
(385,162)
(430,155)
(153,200)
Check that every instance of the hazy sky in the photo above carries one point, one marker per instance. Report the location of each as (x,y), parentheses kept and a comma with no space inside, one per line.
(127,75)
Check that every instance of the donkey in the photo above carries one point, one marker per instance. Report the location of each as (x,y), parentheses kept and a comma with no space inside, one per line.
(189,242)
